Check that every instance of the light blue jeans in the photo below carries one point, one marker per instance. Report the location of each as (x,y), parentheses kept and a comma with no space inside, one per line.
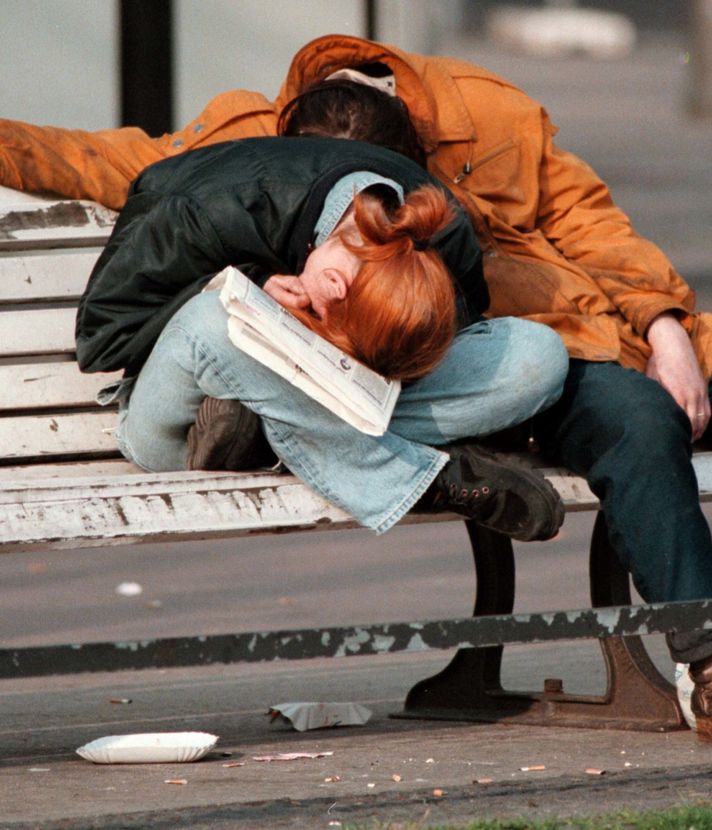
(496,374)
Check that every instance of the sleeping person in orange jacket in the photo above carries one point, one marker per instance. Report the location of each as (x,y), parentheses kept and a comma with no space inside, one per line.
(557,250)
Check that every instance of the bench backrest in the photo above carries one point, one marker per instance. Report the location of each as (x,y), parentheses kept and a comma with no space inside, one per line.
(47,407)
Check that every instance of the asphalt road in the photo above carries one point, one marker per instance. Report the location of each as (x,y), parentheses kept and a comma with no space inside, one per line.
(294,581)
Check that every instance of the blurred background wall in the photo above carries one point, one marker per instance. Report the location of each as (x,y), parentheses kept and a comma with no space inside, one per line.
(57,62)
(60,59)
(649,15)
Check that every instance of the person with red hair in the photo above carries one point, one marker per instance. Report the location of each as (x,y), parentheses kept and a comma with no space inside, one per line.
(371,252)
(376,289)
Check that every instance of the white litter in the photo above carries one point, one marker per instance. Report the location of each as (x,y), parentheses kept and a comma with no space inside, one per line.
(149,748)
(305,716)
(129,589)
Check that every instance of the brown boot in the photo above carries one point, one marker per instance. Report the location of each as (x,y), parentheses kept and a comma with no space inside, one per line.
(227,435)
(701,698)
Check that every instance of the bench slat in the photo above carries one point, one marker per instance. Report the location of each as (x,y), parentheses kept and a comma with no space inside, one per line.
(35,332)
(68,469)
(33,436)
(49,385)
(95,510)
(157,507)
(60,275)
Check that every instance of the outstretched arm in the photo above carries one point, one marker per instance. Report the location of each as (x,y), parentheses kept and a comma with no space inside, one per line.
(74,163)
(100,165)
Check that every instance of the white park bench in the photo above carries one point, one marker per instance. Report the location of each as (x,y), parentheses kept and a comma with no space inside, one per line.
(64,485)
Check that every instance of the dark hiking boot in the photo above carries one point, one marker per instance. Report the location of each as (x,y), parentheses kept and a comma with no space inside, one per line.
(227,435)
(498,492)
(701,698)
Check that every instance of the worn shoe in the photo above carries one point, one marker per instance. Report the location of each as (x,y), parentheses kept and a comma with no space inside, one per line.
(701,698)
(227,435)
(498,492)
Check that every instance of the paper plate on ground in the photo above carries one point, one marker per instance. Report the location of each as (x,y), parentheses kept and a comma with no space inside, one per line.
(149,748)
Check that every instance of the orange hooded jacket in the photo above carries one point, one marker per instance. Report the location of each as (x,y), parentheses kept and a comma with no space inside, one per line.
(557,249)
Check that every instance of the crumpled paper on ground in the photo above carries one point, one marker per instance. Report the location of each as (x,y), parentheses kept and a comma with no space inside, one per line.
(305,716)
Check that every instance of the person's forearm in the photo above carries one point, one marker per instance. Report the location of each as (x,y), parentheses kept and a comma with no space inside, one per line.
(74,163)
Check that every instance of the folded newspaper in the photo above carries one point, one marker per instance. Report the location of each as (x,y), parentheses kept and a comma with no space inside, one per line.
(264,329)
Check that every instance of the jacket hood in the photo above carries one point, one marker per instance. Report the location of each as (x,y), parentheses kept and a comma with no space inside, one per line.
(320,57)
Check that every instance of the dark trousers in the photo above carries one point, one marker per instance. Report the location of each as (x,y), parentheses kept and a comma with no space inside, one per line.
(630,440)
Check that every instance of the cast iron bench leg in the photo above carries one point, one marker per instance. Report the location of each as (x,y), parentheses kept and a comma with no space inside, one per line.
(470,688)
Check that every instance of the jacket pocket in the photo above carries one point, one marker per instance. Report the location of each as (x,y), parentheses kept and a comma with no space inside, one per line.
(493,153)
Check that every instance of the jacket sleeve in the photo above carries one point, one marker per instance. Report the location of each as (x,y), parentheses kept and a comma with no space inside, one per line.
(162,251)
(74,163)
(578,216)
(101,165)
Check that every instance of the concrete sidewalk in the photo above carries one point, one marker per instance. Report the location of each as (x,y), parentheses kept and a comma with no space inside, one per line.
(387,770)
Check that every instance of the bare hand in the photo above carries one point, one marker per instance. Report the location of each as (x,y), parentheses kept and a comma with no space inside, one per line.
(674,366)
(288,291)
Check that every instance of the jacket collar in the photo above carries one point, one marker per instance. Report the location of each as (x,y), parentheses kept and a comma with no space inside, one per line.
(443,119)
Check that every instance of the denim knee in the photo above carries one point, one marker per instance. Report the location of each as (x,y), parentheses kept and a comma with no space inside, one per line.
(539,363)
(656,433)
(202,317)
(553,360)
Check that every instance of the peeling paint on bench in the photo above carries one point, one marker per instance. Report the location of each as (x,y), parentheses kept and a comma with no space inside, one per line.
(132,511)
(51,220)
(352,641)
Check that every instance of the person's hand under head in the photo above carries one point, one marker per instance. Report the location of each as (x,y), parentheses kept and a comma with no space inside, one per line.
(287,291)
(327,276)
